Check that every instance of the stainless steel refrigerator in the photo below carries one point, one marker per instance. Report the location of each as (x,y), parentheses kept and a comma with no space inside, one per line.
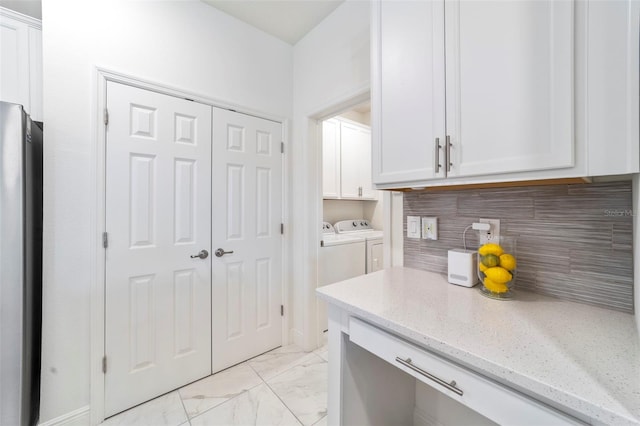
(20,265)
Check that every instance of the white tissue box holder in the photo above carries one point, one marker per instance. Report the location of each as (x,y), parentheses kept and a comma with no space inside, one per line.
(462,267)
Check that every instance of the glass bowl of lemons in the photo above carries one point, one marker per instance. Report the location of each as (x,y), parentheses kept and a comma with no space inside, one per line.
(497,268)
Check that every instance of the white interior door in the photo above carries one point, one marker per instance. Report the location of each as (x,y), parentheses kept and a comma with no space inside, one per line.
(158,210)
(247,213)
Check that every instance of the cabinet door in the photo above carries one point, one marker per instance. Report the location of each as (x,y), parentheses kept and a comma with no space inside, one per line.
(350,158)
(407,94)
(330,159)
(368,193)
(14,61)
(509,85)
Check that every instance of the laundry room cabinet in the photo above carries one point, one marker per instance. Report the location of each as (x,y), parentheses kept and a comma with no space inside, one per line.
(21,61)
(482,91)
(346,151)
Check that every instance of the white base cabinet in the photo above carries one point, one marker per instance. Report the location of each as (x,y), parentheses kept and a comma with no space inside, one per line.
(21,61)
(377,378)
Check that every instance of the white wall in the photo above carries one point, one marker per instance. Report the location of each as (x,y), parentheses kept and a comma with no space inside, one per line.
(336,210)
(185,44)
(329,64)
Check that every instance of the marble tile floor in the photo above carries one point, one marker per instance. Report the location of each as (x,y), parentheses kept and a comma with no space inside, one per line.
(285,386)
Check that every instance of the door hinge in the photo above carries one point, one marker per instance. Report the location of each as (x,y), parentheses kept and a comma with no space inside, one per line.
(281,310)
(282,147)
(106,116)
(104,364)
(105,240)
(282,229)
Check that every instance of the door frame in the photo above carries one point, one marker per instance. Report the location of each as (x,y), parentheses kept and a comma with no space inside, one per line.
(100,77)
(311,335)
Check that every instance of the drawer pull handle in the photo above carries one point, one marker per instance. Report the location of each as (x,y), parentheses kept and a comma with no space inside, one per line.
(451,386)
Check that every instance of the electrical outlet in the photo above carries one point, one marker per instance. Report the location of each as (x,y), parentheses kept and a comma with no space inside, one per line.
(493,234)
(429,228)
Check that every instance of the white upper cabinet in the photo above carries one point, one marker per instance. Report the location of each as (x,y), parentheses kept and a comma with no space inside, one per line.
(407,97)
(346,165)
(355,162)
(331,159)
(612,87)
(21,61)
(511,90)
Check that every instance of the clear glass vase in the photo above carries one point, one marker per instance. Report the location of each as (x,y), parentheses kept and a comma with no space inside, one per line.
(497,267)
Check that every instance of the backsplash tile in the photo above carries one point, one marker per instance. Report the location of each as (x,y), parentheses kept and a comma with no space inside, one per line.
(573,241)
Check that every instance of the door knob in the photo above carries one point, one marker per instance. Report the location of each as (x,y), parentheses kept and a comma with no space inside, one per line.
(220,252)
(202,255)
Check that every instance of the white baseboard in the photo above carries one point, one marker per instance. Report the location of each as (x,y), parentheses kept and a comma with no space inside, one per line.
(79,417)
(420,418)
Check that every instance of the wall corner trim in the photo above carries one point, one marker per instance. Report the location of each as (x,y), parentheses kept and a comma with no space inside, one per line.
(80,416)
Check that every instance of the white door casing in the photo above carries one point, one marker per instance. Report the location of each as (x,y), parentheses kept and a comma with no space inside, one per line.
(158,210)
(331,159)
(246,219)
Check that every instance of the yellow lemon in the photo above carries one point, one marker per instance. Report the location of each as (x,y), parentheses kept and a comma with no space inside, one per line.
(489,260)
(498,274)
(482,267)
(495,287)
(508,262)
(490,248)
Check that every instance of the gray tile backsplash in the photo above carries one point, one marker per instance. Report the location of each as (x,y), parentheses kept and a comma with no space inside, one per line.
(573,241)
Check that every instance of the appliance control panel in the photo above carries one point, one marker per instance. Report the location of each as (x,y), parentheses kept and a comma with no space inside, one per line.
(327,228)
(352,225)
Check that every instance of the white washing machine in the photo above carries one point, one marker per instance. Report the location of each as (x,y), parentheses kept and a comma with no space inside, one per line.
(373,241)
(342,256)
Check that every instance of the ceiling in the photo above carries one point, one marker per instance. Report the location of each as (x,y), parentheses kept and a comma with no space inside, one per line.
(32,8)
(288,20)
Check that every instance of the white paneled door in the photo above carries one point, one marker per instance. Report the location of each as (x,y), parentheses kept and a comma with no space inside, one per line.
(246,217)
(158,217)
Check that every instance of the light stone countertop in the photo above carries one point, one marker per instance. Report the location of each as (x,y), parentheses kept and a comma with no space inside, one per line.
(579,357)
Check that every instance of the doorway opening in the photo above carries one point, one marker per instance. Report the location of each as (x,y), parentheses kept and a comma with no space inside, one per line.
(352,211)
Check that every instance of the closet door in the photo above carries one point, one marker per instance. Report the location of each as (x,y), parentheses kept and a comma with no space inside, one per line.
(509,74)
(158,219)
(246,218)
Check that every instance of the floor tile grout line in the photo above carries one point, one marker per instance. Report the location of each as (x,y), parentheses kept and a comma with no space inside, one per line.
(322,361)
(224,402)
(183,407)
(283,403)
(321,419)
(293,366)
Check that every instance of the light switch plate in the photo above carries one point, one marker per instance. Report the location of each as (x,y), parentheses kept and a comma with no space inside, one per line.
(429,228)
(413,226)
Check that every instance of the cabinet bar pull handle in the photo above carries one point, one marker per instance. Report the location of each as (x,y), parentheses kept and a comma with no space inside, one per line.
(448,153)
(451,386)
(437,164)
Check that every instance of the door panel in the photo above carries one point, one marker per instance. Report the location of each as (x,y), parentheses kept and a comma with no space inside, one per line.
(509,85)
(408,90)
(247,283)
(158,210)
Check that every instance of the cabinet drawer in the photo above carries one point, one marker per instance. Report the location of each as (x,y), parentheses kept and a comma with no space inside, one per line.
(492,400)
